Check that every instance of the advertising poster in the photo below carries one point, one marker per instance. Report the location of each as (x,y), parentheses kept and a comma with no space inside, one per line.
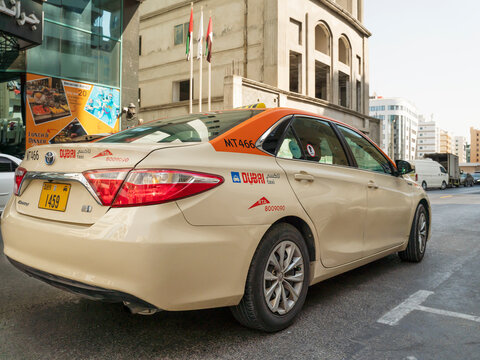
(58,111)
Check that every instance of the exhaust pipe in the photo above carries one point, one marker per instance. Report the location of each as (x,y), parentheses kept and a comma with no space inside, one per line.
(140,309)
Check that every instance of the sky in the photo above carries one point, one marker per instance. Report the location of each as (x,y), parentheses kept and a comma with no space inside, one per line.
(428,52)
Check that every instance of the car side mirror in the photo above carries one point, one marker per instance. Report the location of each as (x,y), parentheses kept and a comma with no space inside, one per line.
(403,167)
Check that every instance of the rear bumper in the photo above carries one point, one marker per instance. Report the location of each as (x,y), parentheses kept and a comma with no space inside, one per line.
(78,288)
(149,253)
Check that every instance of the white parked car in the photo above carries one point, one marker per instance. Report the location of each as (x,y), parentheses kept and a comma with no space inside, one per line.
(429,174)
(8,165)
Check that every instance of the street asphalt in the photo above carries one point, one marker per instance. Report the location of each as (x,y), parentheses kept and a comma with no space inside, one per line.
(362,314)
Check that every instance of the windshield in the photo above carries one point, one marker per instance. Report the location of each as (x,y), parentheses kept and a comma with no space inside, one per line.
(187,128)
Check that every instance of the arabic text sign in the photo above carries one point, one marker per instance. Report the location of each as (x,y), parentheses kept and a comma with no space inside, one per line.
(22,18)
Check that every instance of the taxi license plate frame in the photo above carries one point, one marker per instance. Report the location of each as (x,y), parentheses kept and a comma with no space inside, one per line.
(50,193)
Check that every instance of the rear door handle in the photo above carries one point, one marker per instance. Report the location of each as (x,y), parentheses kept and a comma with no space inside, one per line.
(372,185)
(303,176)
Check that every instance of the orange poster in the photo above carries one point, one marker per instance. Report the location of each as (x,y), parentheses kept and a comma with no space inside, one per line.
(58,111)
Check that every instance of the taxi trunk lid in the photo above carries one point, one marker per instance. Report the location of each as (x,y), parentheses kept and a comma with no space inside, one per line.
(55,187)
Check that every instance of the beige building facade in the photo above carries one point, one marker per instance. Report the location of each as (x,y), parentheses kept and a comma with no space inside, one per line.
(428,137)
(460,148)
(474,145)
(445,142)
(305,54)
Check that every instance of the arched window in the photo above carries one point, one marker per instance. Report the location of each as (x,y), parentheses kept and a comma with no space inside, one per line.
(344,50)
(322,39)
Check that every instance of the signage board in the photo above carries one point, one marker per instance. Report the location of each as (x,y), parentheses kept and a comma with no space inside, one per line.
(22,19)
(58,110)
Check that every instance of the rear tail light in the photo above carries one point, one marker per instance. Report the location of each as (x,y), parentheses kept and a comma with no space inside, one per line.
(416,177)
(106,183)
(146,187)
(20,173)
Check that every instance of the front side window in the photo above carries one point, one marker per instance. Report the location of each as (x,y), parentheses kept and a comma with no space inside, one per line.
(188,128)
(367,156)
(312,140)
(442,169)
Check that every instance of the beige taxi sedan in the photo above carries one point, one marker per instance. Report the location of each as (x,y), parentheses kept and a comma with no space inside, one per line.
(241,208)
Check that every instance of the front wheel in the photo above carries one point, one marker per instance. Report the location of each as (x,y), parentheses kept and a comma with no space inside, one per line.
(277,281)
(417,241)
(444,185)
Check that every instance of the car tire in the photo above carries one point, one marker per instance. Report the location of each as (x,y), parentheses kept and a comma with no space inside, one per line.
(417,241)
(444,185)
(262,307)
(424,185)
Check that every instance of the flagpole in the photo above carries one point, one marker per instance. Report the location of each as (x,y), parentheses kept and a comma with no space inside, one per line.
(209,70)
(191,69)
(201,61)
(209,86)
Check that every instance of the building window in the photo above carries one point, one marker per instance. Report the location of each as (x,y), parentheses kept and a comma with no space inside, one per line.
(359,96)
(140,45)
(343,89)
(296,30)
(181,90)
(180,33)
(322,80)
(359,64)
(322,39)
(344,50)
(139,97)
(295,72)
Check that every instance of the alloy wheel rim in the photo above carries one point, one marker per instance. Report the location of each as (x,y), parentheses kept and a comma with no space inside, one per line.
(422,232)
(283,277)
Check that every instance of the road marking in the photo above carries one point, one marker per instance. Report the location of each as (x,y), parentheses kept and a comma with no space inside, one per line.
(414,302)
(398,313)
(449,313)
(445,196)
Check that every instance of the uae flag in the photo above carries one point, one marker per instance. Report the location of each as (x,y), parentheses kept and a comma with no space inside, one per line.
(209,37)
(190,35)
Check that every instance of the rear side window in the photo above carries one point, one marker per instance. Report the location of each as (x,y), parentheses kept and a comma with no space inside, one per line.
(7,165)
(188,128)
(312,140)
(367,156)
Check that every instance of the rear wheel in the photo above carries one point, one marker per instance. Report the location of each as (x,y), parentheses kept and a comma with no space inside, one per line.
(418,237)
(277,281)
(444,185)
(424,185)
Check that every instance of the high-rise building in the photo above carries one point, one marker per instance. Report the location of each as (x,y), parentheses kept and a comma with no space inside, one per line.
(445,142)
(311,55)
(474,145)
(428,137)
(460,148)
(399,126)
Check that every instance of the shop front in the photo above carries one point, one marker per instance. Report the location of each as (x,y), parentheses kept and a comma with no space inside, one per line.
(60,77)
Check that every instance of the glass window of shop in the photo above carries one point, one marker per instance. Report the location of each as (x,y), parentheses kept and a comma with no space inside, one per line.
(12,128)
(81,41)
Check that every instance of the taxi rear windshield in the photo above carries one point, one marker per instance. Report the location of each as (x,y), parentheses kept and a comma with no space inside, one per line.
(187,128)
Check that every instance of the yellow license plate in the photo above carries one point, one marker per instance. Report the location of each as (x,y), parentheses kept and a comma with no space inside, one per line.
(54,196)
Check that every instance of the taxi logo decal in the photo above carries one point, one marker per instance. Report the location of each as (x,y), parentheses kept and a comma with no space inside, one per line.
(236,177)
(262,201)
(104,153)
(49,158)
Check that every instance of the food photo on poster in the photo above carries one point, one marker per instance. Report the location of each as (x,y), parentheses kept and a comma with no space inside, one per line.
(69,133)
(47,100)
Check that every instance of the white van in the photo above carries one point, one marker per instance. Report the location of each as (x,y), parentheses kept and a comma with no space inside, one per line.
(429,174)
